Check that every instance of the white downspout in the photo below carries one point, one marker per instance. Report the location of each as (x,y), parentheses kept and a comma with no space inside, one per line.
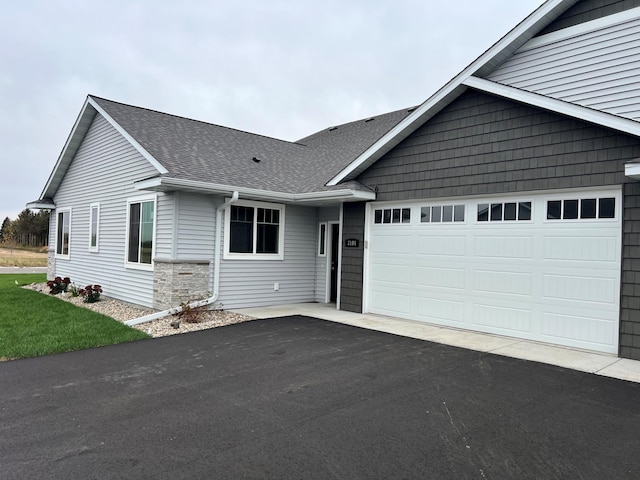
(216,273)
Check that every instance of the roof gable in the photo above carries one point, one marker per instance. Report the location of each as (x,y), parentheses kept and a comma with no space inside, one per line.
(481,67)
(80,128)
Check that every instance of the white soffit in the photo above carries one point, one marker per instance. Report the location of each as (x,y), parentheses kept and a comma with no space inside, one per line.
(581,29)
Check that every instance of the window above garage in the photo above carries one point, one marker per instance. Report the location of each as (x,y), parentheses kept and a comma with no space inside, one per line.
(442,214)
(504,212)
(392,215)
(581,209)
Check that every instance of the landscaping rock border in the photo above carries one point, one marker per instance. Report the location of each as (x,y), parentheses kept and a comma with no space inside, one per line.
(162,327)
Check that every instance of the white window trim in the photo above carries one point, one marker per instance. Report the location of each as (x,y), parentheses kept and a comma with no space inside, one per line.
(134,265)
(322,241)
(254,256)
(94,248)
(61,255)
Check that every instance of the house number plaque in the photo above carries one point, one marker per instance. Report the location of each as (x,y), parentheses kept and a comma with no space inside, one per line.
(352,243)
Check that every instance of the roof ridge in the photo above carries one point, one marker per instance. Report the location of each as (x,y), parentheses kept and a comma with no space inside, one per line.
(372,117)
(196,120)
(334,127)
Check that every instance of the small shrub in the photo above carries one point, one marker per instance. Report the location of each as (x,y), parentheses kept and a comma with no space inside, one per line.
(90,293)
(58,285)
(189,314)
(73,289)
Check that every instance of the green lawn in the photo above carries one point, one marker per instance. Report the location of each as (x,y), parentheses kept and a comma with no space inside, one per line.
(33,324)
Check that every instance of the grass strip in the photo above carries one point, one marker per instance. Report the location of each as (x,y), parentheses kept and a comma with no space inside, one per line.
(33,324)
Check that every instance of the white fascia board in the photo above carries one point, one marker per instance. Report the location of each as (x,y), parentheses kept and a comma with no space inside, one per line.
(632,170)
(168,184)
(514,39)
(342,195)
(558,106)
(65,155)
(150,158)
(582,29)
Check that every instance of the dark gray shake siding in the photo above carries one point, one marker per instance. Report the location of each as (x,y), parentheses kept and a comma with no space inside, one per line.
(481,144)
(352,258)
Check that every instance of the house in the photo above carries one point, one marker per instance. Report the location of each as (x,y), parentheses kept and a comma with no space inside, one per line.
(506,203)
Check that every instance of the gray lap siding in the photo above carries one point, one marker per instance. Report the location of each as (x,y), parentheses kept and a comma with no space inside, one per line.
(103,171)
(481,144)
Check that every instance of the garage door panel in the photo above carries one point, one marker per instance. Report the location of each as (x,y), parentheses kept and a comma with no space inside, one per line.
(507,320)
(391,303)
(581,289)
(392,244)
(595,249)
(503,247)
(504,283)
(584,331)
(438,310)
(439,277)
(554,281)
(448,245)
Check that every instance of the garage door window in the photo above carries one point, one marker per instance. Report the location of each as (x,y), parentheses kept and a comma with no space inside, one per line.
(392,215)
(581,209)
(504,212)
(442,214)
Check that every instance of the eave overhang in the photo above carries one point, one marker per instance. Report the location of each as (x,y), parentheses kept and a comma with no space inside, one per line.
(45,204)
(169,184)
(632,169)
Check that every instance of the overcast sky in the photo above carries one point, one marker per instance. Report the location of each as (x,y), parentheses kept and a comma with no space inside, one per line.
(282,68)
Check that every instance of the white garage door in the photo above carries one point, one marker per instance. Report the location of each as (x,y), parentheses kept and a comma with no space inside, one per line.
(538,267)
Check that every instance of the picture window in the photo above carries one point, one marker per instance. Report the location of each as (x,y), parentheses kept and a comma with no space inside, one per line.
(254,231)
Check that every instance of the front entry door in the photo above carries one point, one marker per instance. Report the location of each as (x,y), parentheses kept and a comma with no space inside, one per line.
(335,244)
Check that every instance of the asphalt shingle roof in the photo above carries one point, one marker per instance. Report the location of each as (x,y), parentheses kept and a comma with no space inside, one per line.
(195,150)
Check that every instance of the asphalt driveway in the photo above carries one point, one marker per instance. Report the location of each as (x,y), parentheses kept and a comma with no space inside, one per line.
(301,398)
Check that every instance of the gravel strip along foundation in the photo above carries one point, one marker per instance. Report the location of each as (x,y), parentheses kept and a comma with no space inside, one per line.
(162,327)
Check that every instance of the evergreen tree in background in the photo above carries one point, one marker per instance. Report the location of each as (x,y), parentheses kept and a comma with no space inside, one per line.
(29,229)
(4,230)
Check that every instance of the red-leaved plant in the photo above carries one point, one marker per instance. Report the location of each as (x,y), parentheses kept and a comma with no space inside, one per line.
(90,293)
(58,285)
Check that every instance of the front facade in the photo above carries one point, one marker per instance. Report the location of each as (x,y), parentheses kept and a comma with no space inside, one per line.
(506,203)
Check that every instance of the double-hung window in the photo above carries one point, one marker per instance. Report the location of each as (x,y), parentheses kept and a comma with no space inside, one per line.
(254,231)
(140,231)
(63,233)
